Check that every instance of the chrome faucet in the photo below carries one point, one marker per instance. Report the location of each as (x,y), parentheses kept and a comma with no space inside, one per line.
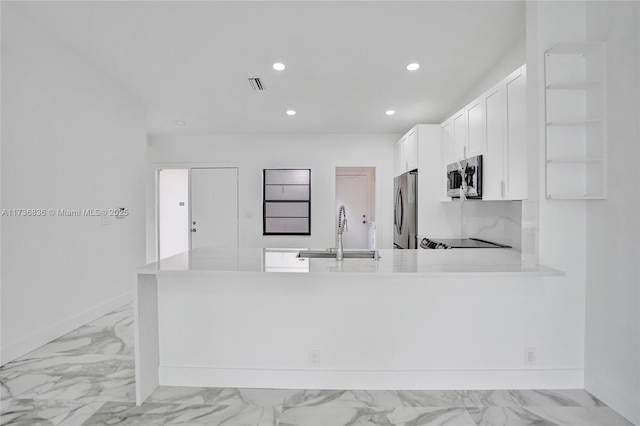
(342,226)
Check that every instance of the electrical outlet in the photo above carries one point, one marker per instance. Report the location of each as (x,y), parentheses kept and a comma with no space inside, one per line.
(529,356)
(314,359)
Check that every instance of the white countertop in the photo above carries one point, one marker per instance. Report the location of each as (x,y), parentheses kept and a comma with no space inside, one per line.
(397,263)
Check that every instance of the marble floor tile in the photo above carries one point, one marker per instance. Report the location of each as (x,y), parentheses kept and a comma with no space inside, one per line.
(68,377)
(506,416)
(106,340)
(546,416)
(374,398)
(560,398)
(528,398)
(220,396)
(122,316)
(365,416)
(490,398)
(149,414)
(420,398)
(36,412)
(580,416)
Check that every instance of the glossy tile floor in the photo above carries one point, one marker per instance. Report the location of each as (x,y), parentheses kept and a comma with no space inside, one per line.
(87,378)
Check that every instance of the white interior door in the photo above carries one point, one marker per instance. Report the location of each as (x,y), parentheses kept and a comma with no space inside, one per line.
(355,192)
(173,212)
(214,207)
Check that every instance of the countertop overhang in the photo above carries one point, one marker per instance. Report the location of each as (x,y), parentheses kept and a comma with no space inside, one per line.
(396,263)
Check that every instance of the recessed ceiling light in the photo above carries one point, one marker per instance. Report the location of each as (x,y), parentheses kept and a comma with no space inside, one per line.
(278,66)
(180,122)
(412,67)
(390,112)
(291,112)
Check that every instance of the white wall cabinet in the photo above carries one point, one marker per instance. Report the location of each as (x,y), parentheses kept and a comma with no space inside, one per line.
(405,152)
(515,170)
(476,142)
(448,141)
(495,160)
(494,126)
(575,149)
(459,121)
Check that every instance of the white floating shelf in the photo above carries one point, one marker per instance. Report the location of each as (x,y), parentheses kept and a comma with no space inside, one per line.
(576,121)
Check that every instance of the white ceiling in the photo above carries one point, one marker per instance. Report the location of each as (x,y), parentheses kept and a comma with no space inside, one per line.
(190,60)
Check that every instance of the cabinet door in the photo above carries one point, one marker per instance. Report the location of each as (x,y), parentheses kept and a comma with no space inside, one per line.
(460,135)
(516,135)
(448,148)
(493,162)
(397,158)
(475,128)
(411,150)
(448,153)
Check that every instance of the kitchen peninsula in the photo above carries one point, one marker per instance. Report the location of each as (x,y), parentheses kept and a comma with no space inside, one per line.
(410,319)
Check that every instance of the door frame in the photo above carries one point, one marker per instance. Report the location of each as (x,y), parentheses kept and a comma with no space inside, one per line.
(152,224)
(374,196)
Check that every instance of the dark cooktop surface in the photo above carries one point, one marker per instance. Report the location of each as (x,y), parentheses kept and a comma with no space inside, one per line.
(445,243)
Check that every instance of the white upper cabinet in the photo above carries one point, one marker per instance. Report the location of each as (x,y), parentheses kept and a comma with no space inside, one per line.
(475,129)
(405,153)
(411,150)
(459,121)
(494,126)
(516,182)
(448,147)
(494,161)
(398,157)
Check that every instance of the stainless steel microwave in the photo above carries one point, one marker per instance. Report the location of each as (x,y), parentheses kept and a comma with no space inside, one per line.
(464,178)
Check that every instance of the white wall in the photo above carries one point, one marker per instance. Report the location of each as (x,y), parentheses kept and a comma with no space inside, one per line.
(595,242)
(322,153)
(510,61)
(71,139)
(612,347)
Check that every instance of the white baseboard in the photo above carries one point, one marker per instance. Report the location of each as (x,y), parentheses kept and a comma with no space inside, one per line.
(27,344)
(622,403)
(370,380)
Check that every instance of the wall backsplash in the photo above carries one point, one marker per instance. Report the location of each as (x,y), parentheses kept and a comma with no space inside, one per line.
(495,221)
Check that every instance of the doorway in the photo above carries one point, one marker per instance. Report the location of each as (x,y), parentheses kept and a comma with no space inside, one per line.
(197,207)
(355,189)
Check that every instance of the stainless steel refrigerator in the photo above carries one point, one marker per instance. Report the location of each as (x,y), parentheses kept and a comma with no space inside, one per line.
(405,211)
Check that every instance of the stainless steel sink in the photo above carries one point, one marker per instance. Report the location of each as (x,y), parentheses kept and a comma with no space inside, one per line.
(348,254)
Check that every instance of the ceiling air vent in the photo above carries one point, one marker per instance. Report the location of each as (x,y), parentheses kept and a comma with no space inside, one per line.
(256,84)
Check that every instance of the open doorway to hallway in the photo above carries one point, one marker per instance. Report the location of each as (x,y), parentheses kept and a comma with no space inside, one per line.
(355,188)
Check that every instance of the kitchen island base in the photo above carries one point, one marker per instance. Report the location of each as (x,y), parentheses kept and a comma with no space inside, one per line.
(358,330)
